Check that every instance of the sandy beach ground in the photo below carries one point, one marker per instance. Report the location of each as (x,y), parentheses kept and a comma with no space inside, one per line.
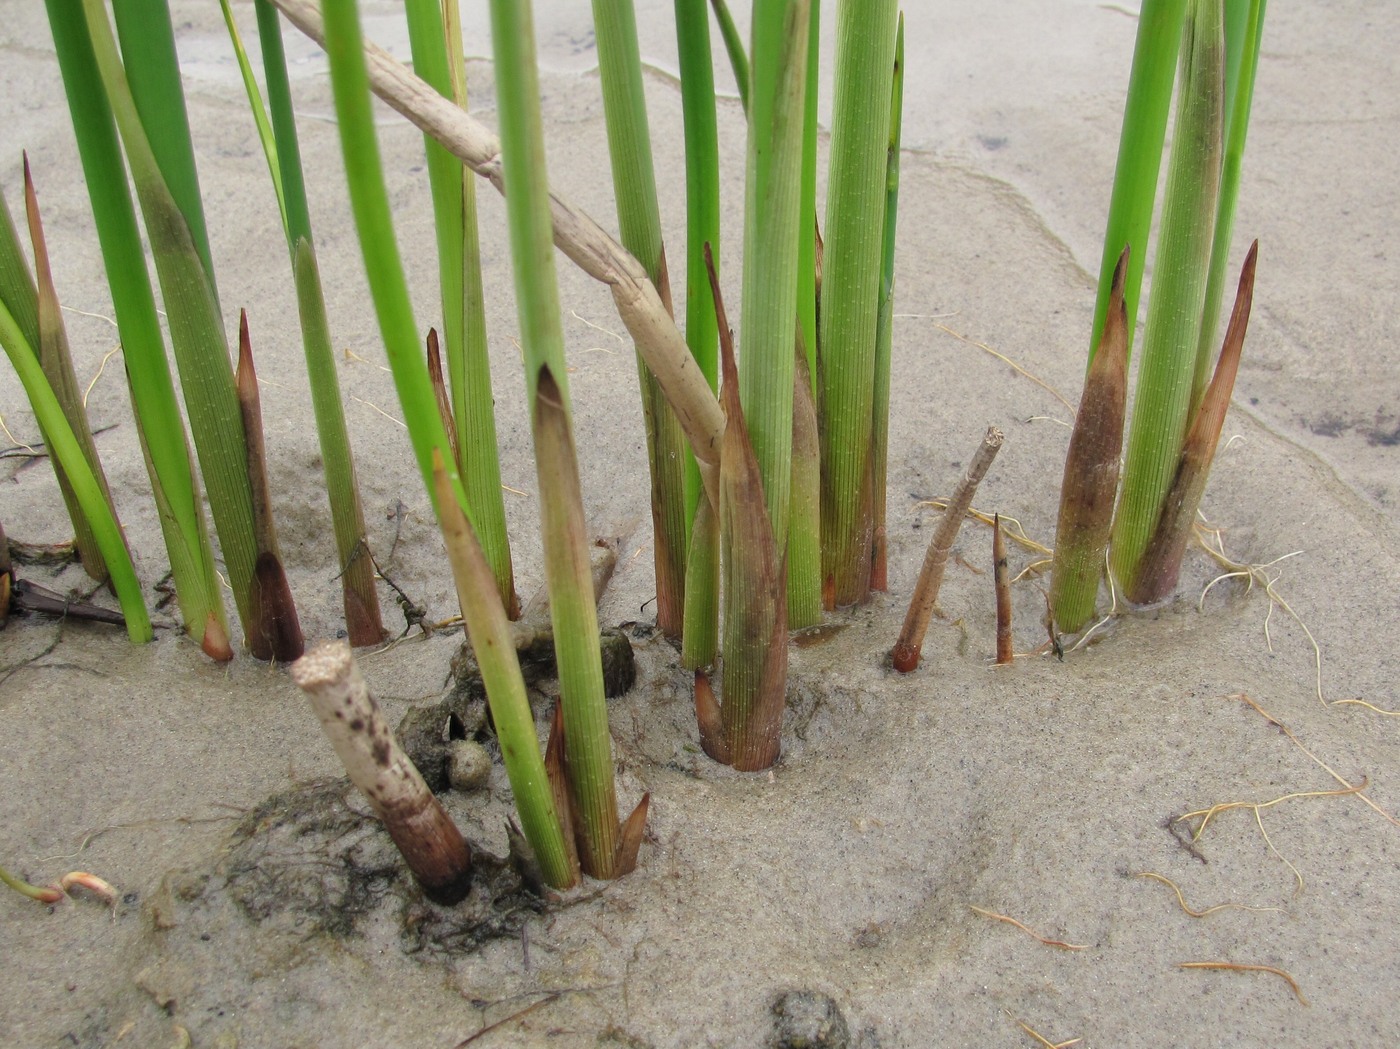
(1039,792)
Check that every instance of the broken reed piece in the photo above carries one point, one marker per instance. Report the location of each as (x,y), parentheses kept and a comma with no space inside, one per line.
(430,842)
(275,631)
(1001,581)
(911,636)
(1161,560)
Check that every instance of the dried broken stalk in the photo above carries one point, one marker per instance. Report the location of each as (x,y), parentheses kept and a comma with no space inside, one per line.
(430,842)
(1090,482)
(1001,579)
(1161,562)
(916,620)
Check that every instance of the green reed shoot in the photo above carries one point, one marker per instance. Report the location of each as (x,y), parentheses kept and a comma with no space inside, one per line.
(1139,156)
(851,273)
(463,302)
(196,327)
(639,223)
(58,436)
(158,418)
(1164,393)
(587,744)
(700,639)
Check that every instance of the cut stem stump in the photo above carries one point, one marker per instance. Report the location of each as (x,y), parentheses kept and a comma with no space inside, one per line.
(430,842)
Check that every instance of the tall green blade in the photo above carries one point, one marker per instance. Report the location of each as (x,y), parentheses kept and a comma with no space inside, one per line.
(701,623)
(153,71)
(772,196)
(463,308)
(61,442)
(884,334)
(1167,370)
(148,374)
(1139,156)
(865,41)
(588,747)
(196,330)
(1244,30)
(363,621)
(639,222)
(804,553)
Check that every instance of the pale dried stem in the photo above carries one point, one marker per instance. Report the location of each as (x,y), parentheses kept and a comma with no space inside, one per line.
(430,842)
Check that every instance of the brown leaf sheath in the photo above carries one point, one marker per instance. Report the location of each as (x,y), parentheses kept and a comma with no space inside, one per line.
(1161,562)
(1090,482)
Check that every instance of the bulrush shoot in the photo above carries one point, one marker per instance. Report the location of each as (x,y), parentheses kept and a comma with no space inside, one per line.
(1157,574)
(747,731)
(275,632)
(430,842)
(1090,482)
(911,636)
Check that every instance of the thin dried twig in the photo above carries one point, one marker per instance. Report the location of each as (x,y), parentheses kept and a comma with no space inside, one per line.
(1061,944)
(1040,1038)
(1181,899)
(1240,967)
(921,605)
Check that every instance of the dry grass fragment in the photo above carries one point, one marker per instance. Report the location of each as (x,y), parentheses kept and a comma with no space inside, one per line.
(1061,944)
(1181,899)
(1040,1038)
(1241,967)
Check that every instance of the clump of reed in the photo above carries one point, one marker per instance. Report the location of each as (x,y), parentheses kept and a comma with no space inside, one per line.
(1209,49)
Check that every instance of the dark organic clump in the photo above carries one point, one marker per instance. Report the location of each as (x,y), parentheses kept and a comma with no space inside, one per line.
(426,731)
(808,1020)
(310,861)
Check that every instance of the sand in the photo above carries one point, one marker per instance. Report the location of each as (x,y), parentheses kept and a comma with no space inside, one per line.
(1038,791)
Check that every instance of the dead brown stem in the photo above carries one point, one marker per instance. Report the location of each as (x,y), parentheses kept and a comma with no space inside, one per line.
(911,635)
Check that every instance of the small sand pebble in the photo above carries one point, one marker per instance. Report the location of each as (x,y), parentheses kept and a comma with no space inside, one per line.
(468,765)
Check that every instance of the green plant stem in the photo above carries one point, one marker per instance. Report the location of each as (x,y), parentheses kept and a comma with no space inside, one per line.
(153,73)
(1166,372)
(865,41)
(64,445)
(884,331)
(639,223)
(152,391)
(363,620)
(804,552)
(17,288)
(734,46)
(463,308)
(772,196)
(701,624)
(587,745)
(1242,38)
(1139,156)
(196,331)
